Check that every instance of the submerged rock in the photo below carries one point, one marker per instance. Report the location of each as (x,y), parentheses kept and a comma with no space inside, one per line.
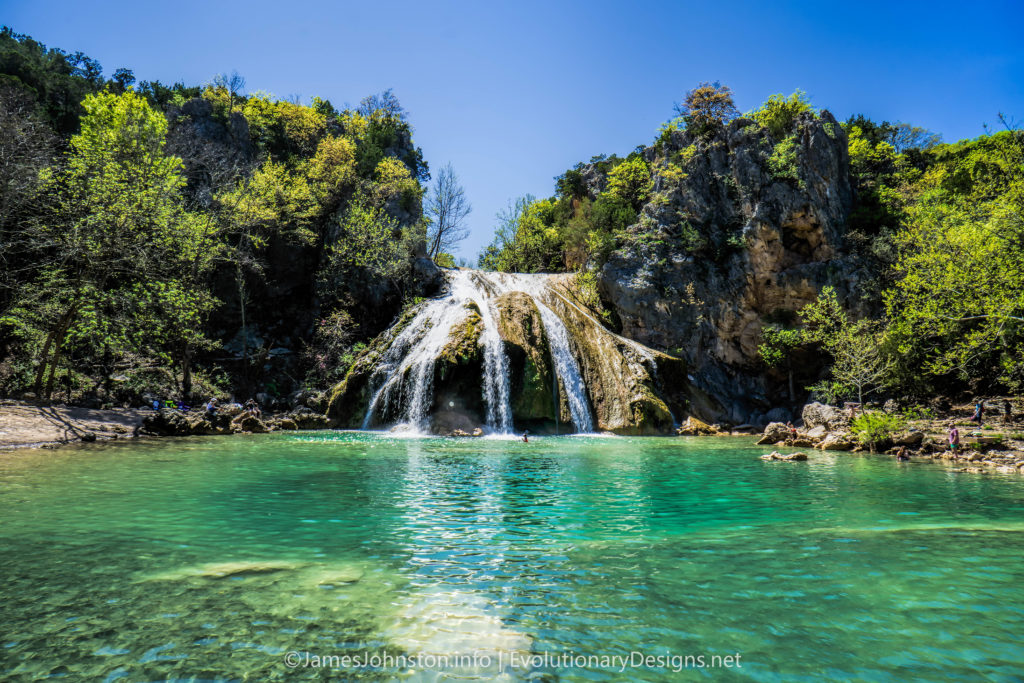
(223,570)
(789,457)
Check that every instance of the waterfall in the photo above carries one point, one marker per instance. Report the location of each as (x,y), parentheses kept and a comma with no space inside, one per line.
(403,378)
(406,372)
(567,368)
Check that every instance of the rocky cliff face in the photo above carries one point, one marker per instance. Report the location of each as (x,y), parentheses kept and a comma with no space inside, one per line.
(742,239)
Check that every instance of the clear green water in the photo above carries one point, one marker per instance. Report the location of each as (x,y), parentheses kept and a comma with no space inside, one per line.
(843,567)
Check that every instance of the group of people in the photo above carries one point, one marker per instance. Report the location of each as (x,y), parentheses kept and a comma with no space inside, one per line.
(173,405)
(212,406)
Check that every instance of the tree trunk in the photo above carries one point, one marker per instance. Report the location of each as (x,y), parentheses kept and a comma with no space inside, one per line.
(55,335)
(54,363)
(186,372)
(792,394)
(240,276)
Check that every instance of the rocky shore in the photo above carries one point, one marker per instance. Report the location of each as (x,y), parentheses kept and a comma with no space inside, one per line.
(994,446)
(26,425)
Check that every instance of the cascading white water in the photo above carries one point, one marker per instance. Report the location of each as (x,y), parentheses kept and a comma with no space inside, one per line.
(405,373)
(567,369)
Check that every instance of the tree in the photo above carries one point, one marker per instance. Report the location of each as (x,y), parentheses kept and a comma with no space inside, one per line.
(906,136)
(858,365)
(114,227)
(776,350)
(233,85)
(385,102)
(631,181)
(124,78)
(26,148)
(957,305)
(706,106)
(447,208)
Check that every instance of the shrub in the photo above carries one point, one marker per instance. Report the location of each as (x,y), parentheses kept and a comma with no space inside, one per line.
(783,161)
(872,429)
(779,113)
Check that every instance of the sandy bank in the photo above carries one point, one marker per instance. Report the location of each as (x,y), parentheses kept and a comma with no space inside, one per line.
(29,425)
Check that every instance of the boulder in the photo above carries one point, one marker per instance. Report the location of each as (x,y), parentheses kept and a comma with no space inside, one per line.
(463,433)
(166,422)
(836,442)
(287,424)
(248,423)
(908,439)
(305,418)
(773,433)
(817,433)
(694,427)
(831,418)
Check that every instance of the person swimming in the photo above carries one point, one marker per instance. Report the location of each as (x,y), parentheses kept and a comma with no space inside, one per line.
(526,434)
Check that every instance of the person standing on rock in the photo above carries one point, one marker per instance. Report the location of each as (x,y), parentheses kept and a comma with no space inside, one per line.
(954,439)
(979,411)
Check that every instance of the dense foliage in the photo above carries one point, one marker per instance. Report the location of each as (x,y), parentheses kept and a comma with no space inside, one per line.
(186,240)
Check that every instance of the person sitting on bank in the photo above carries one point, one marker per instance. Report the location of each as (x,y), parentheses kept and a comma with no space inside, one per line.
(253,408)
(211,408)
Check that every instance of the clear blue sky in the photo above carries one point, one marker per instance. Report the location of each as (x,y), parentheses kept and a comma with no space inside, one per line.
(514,93)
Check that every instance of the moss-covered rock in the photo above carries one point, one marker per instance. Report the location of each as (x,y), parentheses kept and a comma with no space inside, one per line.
(458,396)
(351,396)
(531,369)
(627,384)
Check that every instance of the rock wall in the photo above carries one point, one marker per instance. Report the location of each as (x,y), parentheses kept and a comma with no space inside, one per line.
(770,244)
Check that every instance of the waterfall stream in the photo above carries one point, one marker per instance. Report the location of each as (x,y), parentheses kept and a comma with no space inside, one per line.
(404,376)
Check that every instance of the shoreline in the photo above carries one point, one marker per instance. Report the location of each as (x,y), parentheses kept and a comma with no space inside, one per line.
(25,425)
(29,426)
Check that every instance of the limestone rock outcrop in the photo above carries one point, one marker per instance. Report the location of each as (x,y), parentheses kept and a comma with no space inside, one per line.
(766,244)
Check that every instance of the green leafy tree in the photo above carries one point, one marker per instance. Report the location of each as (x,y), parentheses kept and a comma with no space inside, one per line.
(776,350)
(859,367)
(115,220)
(631,181)
(957,306)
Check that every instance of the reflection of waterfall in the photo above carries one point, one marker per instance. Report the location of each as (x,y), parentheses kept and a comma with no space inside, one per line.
(403,379)
(455,605)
